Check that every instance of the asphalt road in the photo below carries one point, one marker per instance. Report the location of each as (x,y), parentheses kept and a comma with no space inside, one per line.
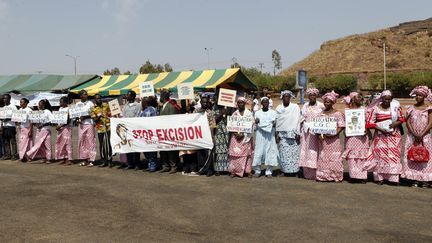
(53,203)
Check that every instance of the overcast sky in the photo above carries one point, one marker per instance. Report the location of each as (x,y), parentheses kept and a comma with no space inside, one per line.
(35,35)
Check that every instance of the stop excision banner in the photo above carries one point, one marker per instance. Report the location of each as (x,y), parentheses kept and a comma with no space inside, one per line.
(161,133)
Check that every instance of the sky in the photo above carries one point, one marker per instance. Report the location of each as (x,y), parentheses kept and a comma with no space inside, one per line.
(35,36)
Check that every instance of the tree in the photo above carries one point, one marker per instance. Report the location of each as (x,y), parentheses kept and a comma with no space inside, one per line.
(113,71)
(168,67)
(276,58)
(148,67)
(127,72)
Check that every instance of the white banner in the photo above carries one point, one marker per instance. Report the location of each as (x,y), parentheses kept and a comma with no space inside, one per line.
(59,117)
(54,99)
(161,133)
(240,124)
(324,125)
(355,122)
(19,116)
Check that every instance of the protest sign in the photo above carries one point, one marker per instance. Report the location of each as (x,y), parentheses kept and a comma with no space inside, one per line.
(385,125)
(185,91)
(59,117)
(323,125)
(78,110)
(355,122)
(114,107)
(160,133)
(37,117)
(240,124)
(19,116)
(6,112)
(227,97)
(146,89)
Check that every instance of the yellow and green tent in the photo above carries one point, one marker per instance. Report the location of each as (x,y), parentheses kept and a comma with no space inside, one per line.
(201,80)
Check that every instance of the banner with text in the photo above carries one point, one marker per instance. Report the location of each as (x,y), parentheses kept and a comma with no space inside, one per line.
(160,133)
(324,125)
(240,124)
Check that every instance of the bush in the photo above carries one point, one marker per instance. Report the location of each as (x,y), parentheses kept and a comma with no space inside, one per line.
(341,84)
(400,84)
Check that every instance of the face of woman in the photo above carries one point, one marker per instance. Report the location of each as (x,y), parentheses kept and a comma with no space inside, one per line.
(62,103)
(265,104)
(23,104)
(84,97)
(386,100)
(286,99)
(241,105)
(328,104)
(312,98)
(357,100)
(41,105)
(419,98)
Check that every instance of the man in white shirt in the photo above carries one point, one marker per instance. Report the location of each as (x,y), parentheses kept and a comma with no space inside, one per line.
(9,132)
(131,109)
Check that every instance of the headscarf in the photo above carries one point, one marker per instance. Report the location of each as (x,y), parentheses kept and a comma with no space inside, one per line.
(264,98)
(349,98)
(310,91)
(288,92)
(241,99)
(386,93)
(330,95)
(423,91)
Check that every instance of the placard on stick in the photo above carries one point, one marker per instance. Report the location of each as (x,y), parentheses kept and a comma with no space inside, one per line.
(146,89)
(227,97)
(185,91)
(114,106)
(59,117)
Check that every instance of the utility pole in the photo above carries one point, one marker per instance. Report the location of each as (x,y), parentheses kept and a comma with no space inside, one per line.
(385,69)
(75,58)
(261,65)
(208,56)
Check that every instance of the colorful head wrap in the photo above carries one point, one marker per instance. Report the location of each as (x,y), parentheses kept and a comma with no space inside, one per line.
(423,91)
(310,91)
(241,99)
(349,98)
(264,98)
(386,93)
(288,92)
(330,95)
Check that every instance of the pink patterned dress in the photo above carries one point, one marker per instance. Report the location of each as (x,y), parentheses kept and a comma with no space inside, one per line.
(386,148)
(309,142)
(330,166)
(241,151)
(418,120)
(356,153)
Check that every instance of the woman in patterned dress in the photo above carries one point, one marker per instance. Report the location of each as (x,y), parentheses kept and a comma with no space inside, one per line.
(356,147)
(330,166)
(419,123)
(288,133)
(309,141)
(221,140)
(385,117)
(241,146)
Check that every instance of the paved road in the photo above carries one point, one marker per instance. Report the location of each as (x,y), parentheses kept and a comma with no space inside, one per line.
(47,203)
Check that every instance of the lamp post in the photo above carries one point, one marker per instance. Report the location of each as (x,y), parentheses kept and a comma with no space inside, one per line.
(208,56)
(75,62)
(385,69)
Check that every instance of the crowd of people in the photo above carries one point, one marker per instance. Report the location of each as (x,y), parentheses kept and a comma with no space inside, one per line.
(281,138)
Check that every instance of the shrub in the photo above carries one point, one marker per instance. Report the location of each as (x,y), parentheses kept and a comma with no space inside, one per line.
(341,84)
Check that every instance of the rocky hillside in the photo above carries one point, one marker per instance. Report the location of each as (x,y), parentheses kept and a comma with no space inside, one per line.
(408,45)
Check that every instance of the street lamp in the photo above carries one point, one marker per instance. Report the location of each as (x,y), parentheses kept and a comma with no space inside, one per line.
(208,56)
(385,68)
(75,62)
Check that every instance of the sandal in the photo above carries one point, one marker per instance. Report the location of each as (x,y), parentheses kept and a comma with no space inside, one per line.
(90,164)
(83,164)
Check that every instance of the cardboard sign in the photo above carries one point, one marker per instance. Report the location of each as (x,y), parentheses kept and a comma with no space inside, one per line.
(38,117)
(240,124)
(59,117)
(114,106)
(324,125)
(146,89)
(355,122)
(6,112)
(227,97)
(19,116)
(185,91)
(385,125)
(78,110)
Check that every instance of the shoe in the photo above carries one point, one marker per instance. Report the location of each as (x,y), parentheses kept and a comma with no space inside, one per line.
(164,170)
(217,174)
(7,158)
(193,174)
(173,171)
(209,173)
(185,173)
(257,175)
(14,158)
(90,164)
(130,168)
(111,164)
(122,166)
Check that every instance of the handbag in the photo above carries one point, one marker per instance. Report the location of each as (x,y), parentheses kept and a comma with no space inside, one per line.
(418,153)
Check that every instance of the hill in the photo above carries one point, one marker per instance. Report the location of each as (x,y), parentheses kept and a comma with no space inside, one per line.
(408,46)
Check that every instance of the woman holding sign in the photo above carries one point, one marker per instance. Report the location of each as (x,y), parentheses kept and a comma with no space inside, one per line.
(356,147)
(309,141)
(42,145)
(419,123)
(266,151)
(25,132)
(86,131)
(241,146)
(64,136)
(330,166)
(385,117)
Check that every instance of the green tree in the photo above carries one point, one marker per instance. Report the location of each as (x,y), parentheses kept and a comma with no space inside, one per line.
(341,84)
(148,67)
(277,61)
(112,71)
(127,72)
(168,67)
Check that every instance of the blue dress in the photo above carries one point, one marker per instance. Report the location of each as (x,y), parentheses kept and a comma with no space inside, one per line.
(150,156)
(266,151)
